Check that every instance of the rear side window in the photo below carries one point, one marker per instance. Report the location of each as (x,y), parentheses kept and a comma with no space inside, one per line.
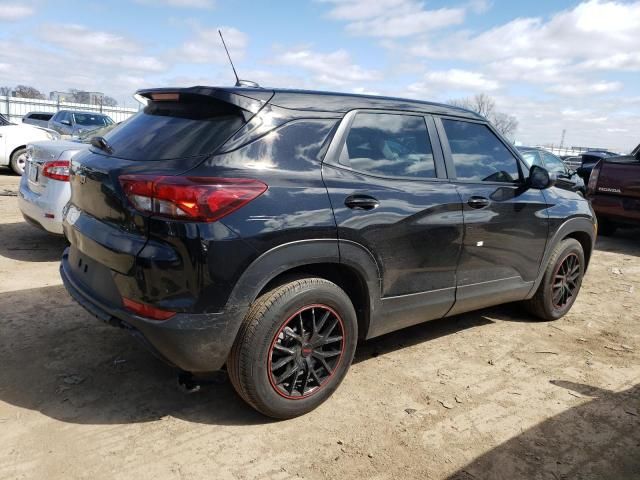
(478,155)
(389,145)
(192,126)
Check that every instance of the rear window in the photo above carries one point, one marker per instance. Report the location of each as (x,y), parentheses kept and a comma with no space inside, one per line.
(192,126)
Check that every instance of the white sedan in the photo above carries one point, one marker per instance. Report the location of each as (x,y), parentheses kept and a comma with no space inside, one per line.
(14,139)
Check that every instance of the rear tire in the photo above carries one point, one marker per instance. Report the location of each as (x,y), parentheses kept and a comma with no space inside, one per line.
(18,160)
(561,281)
(269,345)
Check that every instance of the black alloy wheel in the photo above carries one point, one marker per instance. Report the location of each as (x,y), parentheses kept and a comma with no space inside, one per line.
(306,351)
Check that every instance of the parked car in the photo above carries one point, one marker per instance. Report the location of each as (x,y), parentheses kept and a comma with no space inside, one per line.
(566,178)
(14,139)
(69,122)
(269,230)
(614,191)
(573,162)
(39,119)
(44,188)
(589,160)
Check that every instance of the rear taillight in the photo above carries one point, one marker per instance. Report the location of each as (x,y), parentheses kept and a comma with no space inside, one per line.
(593,178)
(201,199)
(146,310)
(57,170)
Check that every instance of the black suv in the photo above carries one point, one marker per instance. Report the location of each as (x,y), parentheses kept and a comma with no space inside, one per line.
(269,230)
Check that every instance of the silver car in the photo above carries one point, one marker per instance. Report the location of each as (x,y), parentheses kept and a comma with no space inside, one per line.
(44,187)
(39,119)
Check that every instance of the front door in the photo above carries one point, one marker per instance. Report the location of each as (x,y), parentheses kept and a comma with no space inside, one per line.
(390,195)
(505,222)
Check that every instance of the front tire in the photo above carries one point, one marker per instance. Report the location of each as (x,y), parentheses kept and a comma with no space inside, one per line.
(294,347)
(561,281)
(18,160)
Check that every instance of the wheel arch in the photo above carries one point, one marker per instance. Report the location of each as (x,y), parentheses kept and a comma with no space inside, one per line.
(15,150)
(581,229)
(344,263)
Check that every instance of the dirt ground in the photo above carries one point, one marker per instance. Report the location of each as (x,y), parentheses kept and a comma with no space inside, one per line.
(486,395)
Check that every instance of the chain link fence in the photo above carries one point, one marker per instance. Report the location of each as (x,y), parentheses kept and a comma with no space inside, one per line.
(15,108)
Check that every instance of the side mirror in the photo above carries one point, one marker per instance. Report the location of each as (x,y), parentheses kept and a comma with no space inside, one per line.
(66,122)
(540,178)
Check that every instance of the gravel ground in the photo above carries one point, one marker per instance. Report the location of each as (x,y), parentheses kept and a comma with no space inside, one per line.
(487,395)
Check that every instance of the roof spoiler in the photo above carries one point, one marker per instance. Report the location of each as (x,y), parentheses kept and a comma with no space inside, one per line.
(249,99)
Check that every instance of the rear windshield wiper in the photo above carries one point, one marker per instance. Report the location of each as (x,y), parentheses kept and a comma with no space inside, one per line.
(102,144)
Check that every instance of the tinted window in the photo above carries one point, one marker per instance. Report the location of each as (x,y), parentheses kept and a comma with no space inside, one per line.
(390,145)
(195,125)
(478,154)
(40,116)
(553,163)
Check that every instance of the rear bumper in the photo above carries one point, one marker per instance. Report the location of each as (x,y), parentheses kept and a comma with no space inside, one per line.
(35,206)
(617,208)
(191,342)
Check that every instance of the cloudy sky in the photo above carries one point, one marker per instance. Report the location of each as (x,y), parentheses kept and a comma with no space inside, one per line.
(554,65)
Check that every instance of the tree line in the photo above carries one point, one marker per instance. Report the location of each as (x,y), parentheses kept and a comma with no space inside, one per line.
(74,95)
(486,106)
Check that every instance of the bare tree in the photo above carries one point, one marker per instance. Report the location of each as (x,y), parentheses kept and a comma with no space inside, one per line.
(26,91)
(486,106)
(5,91)
(108,101)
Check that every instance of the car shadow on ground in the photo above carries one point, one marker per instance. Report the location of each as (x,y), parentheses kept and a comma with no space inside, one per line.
(624,240)
(60,361)
(597,439)
(27,243)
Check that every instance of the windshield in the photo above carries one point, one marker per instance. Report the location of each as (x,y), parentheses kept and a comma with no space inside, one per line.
(99,132)
(91,120)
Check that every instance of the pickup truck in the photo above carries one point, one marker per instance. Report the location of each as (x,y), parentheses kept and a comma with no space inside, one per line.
(614,191)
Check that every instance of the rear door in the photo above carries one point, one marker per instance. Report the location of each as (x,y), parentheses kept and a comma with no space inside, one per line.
(505,223)
(387,183)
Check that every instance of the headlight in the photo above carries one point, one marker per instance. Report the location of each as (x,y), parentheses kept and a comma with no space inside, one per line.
(53,136)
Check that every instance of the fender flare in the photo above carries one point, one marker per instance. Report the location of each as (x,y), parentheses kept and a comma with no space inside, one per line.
(300,253)
(572,225)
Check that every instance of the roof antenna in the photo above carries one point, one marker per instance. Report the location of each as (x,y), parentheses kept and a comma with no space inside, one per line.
(239,83)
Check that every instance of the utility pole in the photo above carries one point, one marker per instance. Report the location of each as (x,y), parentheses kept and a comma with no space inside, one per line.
(564,132)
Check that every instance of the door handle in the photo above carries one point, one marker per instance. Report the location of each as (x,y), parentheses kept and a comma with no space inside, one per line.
(478,202)
(361,202)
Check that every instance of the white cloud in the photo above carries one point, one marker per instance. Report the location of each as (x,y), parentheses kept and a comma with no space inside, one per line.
(572,88)
(206,46)
(207,4)
(392,18)
(592,30)
(99,47)
(454,80)
(10,12)
(335,68)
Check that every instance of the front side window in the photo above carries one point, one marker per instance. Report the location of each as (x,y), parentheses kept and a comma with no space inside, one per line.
(478,155)
(389,145)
